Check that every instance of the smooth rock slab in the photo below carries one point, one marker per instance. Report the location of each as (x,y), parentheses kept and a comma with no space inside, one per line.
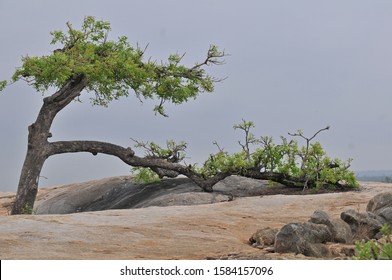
(123,193)
(174,232)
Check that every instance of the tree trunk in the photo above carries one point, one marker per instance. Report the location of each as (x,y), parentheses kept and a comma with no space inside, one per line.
(38,147)
(37,153)
(28,182)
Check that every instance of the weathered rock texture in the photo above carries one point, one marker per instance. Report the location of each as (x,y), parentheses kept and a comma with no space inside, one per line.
(123,193)
(312,238)
(379,202)
(263,237)
(219,231)
(381,205)
(341,231)
(363,225)
(303,238)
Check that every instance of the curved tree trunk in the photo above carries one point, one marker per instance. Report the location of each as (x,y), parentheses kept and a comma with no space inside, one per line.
(38,147)
(28,182)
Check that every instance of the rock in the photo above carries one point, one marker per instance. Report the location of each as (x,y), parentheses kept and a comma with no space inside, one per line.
(381,205)
(270,249)
(303,238)
(363,225)
(380,201)
(123,193)
(341,251)
(191,198)
(263,237)
(174,232)
(386,215)
(243,187)
(341,231)
(319,217)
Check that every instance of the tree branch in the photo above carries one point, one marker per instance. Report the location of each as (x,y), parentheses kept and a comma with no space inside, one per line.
(127,155)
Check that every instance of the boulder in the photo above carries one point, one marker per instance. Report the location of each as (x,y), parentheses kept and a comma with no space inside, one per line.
(378,202)
(303,238)
(263,237)
(381,205)
(341,231)
(386,215)
(363,225)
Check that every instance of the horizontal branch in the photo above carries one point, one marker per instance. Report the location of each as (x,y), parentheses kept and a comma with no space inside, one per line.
(127,155)
(164,167)
(278,177)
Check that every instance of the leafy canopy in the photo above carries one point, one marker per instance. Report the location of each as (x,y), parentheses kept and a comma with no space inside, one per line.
(114,68)
(308,164)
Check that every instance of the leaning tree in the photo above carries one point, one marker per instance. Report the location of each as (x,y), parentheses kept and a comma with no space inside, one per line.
(89,62)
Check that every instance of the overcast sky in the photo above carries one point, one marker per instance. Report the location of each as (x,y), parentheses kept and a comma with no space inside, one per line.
(292,65)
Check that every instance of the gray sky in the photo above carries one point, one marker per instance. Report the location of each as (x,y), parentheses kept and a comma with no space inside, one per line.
(292,65)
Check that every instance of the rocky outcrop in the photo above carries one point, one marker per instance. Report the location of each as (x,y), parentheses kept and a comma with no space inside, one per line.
(367,225)
(123,193)
(216,231)
(316,238)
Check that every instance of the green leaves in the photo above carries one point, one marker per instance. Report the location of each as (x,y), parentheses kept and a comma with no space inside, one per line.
(114,69)
(376,249)
(173,152)
(224,162)
(3,84)
(144,175)
(309,163)
(305,166)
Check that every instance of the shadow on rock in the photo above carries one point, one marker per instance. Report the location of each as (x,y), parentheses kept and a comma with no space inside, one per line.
(123,193)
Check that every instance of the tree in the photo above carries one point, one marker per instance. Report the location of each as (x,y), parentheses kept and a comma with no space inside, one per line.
(89,62)
(287,163)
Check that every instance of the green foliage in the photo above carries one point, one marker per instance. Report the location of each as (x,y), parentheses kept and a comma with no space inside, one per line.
(144,175)
(3,84)
(376,250)
(173,152)
(27,210)
(250,139)
(114,68)
(309,163)
(224,162)
(306,166)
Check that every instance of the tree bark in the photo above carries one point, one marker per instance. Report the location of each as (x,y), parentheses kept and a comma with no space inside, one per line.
(282,178)
(38,147)
(127,155)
